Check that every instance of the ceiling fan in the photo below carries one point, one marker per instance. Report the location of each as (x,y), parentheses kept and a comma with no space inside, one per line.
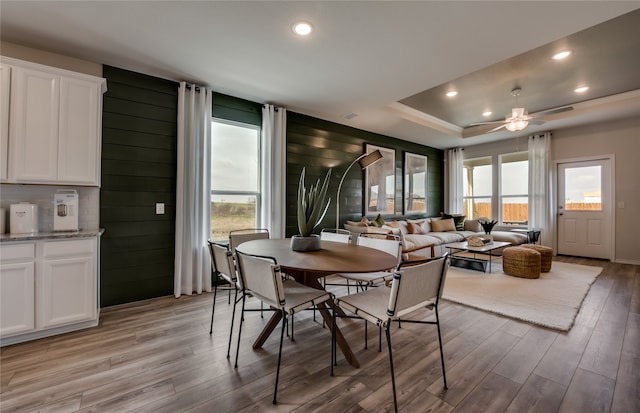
(519,119)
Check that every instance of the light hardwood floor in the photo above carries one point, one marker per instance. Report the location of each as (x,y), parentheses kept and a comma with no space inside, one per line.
(158,356)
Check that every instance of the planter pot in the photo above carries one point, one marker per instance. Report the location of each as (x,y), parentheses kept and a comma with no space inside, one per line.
(305,244)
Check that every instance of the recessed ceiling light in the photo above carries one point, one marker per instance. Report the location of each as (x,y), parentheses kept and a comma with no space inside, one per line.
(561,55)
(487,113)
(452,93)
(581,89)
(302,28)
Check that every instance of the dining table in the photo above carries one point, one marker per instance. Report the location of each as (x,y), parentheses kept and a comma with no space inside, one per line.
(308,267)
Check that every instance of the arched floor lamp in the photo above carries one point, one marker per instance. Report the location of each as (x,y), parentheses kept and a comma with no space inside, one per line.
(365,160)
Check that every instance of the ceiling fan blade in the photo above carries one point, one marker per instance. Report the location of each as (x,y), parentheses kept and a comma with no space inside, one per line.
(536,122)
(497,128)
(553,112)
(486,123)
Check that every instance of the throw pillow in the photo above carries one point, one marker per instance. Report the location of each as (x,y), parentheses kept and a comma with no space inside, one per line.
(458,220)
(378,222)
(443,225)
(414,228)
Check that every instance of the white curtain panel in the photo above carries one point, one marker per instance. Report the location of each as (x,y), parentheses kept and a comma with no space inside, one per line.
(454,187)
(273,185)
(192,271)
(540,182)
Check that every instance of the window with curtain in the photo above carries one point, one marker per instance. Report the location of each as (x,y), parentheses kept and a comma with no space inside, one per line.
(235,177)
(477,181)
(514,188)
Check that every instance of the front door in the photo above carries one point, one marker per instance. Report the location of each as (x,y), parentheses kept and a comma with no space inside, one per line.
(584,208)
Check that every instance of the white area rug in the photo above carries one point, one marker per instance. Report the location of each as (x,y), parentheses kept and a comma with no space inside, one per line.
(553,300)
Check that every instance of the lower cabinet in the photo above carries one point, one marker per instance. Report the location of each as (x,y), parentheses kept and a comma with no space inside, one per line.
(51,291)
(17,289)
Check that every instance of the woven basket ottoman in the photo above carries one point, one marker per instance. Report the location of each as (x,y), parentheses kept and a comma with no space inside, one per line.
(546,255)
(521,262)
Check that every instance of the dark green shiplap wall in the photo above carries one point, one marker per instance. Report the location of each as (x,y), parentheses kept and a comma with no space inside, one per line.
(138,170)
(318,145)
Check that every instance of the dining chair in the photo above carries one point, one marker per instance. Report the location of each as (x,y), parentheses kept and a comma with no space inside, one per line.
(223,266)
(390,244)
(335,235)
(238,236)
(262,278)
(415,285)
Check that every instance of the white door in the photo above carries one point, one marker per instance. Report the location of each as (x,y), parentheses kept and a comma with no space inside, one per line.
(66,286)
(78,139)
(17,298)
(584,208)
(33,124)
(5,85)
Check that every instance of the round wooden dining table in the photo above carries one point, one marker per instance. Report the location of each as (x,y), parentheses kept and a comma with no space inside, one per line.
(308,267)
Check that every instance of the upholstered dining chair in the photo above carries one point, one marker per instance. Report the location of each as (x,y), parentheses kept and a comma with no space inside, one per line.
(238,236)
(261,277)
(415,285)
(390,244)
(223,266)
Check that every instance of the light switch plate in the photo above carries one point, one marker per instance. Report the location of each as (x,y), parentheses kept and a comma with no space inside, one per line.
(159,208)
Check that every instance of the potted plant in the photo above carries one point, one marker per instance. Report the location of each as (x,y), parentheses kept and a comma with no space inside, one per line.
(487,225)
(312,207)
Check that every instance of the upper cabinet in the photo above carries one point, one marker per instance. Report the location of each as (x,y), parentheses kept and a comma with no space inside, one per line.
(5,85)
(55,122)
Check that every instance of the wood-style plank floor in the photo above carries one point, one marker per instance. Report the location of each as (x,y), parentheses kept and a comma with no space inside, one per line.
(158,356)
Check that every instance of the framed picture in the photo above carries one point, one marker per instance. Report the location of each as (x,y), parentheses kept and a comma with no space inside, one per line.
(380,183)
(415,183)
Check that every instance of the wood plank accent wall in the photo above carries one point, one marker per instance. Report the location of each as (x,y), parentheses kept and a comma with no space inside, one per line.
(138,170)
(318,145)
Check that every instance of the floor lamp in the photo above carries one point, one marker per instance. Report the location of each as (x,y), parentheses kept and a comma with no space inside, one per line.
(365,160)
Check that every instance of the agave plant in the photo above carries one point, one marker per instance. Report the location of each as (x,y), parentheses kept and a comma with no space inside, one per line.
(487,225)
(312,206)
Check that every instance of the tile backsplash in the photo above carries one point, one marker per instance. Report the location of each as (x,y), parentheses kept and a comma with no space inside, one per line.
(42,195)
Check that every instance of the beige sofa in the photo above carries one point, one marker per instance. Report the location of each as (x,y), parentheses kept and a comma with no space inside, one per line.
(417,233)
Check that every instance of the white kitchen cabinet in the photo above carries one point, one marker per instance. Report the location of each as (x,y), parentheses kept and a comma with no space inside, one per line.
(5,87)
(66,285)
(17,289)
(33,130)
(48,287)
(55,122)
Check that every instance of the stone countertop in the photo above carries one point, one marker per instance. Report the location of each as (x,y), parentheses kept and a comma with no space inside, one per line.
(35,236)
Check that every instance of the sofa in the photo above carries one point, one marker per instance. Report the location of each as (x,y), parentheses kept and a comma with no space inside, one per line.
(417,234)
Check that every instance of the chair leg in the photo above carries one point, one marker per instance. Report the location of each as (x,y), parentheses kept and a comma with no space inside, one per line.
(444,374)
(233,318)
(240,331)
(365,335)
(334,357)
(292,337)
(213,309)
(379,339)
(393,376)
(284,327)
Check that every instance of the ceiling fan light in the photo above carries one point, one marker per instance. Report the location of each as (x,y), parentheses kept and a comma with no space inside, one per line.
(516,125)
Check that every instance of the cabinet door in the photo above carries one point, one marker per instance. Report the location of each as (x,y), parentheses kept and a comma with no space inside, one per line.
(67,283)
(17,298)
(5,86)
(33,125)
(79,131)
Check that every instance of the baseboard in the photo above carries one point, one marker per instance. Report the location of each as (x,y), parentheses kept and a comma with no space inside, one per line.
(625,261)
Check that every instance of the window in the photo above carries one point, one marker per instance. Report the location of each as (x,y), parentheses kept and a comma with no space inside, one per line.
(235,177)
(478,187)
(514,188)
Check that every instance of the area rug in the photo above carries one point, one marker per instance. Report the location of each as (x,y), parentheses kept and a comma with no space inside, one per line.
(553,300)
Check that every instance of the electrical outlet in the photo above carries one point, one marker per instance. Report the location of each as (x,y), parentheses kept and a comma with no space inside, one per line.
(159,208)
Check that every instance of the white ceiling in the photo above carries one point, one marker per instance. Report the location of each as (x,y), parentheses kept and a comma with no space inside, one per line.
(363,57)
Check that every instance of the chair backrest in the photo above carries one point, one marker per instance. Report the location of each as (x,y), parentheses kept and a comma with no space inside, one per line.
(335,235)
(238,236)
(261,276)
(417,285)
(390,245)
(222,262)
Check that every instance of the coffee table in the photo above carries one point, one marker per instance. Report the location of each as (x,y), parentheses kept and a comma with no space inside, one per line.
(456,248)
